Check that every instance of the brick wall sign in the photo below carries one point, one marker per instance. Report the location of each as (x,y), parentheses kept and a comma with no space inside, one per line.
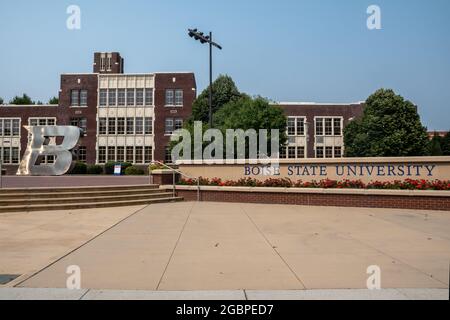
(364,169)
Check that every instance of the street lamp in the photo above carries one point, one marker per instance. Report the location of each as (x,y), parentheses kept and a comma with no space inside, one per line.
(194,33)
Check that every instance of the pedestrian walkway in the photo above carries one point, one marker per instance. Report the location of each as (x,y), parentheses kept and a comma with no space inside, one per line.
(217,246)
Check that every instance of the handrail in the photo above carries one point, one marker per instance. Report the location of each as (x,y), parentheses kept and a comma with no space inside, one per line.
(173,177)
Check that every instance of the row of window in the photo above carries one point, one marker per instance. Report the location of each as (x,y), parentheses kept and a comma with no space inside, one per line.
(132,154)
(41,121)
(174,97)
(328,152)
(10,127)
(78,98)
(328,126)
(137,125)
(10,155)
(173,124)
(323,126)
(292,152)
(125,97)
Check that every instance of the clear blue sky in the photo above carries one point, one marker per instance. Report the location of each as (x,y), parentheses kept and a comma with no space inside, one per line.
(291,50)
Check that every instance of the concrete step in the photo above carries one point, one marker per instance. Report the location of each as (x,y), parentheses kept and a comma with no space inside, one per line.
(86,198)
(79,193)
(76,189)
(85,205)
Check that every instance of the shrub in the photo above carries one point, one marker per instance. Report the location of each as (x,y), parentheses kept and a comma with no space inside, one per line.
(94,169)
(109,167)
(79,168)
(134,171)
(407,184)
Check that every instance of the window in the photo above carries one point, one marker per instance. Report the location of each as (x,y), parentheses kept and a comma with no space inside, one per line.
(121,97)
(328,152)
(101,154)
(109,62)
(7,155)
(112,97)
(328,126)
(80,123)
(10,127)
(111,125)
(319,152)
(167,155)
(169,97)
(10,155)
(130,97)
(74,98)
(111,153)
(102,126)
(283,153)
(120,154)
(139,97)
(148,97)
(102,63)
(49,159)
(120,125)
(337,131)
(300,152)
(338,152)
(139,155)
(51,122)
(82,154)
(103,97)
(7,127)
(139,126)
(291,126)
(169,126)
(178,97)
(148,154)
(83,98)
(130,125)
(15,127)
(300,126)
(15,155)
(148,125)
(178,124)
(319,127)
(130,154)
(291,153)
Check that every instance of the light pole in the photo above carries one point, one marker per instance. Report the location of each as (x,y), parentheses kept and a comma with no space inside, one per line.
(194,33)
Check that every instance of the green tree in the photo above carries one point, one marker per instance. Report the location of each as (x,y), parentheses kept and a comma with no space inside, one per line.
(244,113)
(389,127)
(224,90)
(434,146)
(252,113)
(53,100)
(1,100)
(445,144)
(23,100)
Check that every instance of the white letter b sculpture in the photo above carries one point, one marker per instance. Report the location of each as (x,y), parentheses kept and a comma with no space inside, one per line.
(38,147)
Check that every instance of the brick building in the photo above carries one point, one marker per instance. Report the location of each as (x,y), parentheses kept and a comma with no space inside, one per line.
(125,117)
(130,117)
(316,130)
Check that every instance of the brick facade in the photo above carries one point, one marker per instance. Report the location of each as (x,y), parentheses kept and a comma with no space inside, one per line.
(334,200)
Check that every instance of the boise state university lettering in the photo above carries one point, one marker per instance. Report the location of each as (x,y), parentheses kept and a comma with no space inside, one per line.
(400,170)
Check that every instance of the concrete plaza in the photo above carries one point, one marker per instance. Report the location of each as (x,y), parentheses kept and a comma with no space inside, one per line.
(227,246)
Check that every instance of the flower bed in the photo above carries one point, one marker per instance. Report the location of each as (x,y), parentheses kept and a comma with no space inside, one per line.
(407,184)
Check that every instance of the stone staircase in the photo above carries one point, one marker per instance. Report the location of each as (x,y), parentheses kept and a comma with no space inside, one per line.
(36,199)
